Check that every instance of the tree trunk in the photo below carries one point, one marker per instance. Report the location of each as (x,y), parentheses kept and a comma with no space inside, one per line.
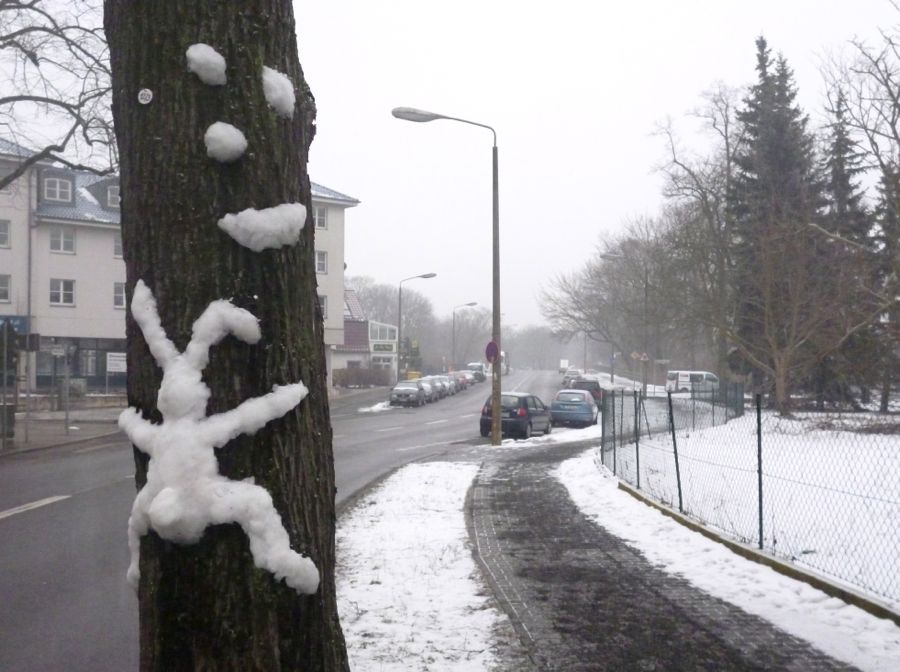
(782,386)
(206,606)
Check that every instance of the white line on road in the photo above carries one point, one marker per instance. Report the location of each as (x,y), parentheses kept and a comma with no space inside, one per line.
(33,505)
(437,422)
(468,415)
(424,445)
(389,429)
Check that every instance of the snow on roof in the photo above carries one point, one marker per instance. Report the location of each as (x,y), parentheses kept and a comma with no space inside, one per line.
(85,207)
(12,149)
(353,309)
(318,191)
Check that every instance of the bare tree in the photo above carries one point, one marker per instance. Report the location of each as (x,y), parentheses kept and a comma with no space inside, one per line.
(208,605)
(54,78)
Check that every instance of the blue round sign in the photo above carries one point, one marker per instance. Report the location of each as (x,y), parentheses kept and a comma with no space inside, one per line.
(491,352)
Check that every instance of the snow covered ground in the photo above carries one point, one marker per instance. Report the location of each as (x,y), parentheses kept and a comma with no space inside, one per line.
(410,596)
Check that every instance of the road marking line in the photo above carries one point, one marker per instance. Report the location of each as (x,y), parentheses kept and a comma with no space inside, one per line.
(468,415)
(437,422)
(33,505)
(91,449)
(389,429)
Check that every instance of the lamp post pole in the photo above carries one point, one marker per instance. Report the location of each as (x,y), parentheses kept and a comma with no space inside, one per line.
(412,114)
(400,318)
(453,332)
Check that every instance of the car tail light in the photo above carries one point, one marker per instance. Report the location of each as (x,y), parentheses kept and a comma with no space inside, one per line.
(521,413)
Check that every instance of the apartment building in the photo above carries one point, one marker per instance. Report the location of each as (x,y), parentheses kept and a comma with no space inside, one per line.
(62,274)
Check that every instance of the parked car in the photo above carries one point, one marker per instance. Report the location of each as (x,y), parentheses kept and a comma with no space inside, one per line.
(437,382)
(591,385)
(431,392)
(469,376)
(408,393)
(478,370)
(573,407)
(522,414)
(692,381)
(460,379)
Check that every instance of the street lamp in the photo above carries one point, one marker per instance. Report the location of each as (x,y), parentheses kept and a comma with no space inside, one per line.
(612,256)
(400,317)
(453,331)
(412,114)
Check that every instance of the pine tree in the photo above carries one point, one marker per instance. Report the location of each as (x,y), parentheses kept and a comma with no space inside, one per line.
(783,294)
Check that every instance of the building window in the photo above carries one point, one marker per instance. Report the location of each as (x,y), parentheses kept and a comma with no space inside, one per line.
(382,332)
(62,292)
(4,233)
(323,304)
(117,245)
(87,362)
(119,294)
(113,200)
(320,215)
(57,189)
(62,239)
(4,288)
(321,262)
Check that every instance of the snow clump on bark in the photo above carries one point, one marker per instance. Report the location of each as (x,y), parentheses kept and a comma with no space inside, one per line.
(279,92)
(268,228)
(207,63)
(224,142)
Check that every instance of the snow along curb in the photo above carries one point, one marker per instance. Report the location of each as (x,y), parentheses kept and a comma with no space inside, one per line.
(848,595)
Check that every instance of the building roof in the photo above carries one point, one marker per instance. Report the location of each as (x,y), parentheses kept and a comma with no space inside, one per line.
(85,208)
(324,193)
(10,148)
(353,310)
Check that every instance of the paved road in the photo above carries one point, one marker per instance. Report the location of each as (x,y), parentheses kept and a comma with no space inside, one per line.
(64,604)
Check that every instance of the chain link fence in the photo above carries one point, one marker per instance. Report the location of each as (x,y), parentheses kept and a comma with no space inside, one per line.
(821,490)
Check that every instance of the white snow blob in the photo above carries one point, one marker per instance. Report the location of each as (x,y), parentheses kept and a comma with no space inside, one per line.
(279,92)
(268,228)
(207,63)
(185,493)
(224,142)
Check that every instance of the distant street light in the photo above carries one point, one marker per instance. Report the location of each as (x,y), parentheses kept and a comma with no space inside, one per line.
(612,256)
(453,338)
(400,318)
(412,114)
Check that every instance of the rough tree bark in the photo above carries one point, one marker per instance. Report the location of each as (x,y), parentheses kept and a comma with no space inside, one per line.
(206,606)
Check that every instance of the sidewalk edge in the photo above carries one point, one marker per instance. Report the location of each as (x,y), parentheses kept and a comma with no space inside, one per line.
(61,444)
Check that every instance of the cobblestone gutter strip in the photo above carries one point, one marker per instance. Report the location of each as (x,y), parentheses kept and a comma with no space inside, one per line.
(582,599)
(849,596)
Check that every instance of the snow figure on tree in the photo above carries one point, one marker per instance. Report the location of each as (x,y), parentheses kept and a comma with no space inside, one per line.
(185,493)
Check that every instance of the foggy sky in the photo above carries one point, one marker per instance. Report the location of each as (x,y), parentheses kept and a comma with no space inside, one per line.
(575,91)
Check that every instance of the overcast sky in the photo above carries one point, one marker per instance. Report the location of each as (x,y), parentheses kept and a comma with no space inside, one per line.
(574,90)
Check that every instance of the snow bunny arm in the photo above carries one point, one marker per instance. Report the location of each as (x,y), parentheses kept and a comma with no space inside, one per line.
(252,415)
(143,308)
(140,432)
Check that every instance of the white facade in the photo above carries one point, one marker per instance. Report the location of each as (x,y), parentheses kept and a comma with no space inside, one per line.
(73,265)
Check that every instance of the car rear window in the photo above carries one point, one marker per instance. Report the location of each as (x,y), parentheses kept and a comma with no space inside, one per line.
(406,386)
(571,397)
(586,385)
(509,401)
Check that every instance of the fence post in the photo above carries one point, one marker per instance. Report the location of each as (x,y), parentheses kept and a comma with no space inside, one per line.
(675,450)
(637,443)
(759,464)
(613,400)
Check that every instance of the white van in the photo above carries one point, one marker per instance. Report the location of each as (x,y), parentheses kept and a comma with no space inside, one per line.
(691,381)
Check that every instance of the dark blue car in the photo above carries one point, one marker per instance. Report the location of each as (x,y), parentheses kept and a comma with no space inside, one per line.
(522,414)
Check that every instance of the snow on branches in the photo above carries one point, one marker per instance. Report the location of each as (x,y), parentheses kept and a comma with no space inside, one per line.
(184,492)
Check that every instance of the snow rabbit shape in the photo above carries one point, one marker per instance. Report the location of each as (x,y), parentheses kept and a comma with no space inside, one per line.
(184,492)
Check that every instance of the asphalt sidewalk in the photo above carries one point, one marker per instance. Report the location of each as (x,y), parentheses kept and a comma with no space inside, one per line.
(581,599)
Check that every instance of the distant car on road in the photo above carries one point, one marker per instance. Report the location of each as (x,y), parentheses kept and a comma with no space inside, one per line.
(408,393)
(431,390)
(477,368)
(573,407)
(591,385)
(571,374)
(521,415)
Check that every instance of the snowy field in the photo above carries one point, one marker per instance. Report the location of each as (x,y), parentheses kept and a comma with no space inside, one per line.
(831,494)
(411,598)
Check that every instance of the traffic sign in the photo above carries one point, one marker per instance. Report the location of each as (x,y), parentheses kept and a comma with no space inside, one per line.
(491,352)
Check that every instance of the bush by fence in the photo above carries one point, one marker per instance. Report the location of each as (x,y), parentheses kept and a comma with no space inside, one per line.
(820,490)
